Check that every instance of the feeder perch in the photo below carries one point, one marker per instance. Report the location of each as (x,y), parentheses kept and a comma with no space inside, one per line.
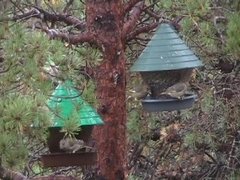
(64,101)
(165,61)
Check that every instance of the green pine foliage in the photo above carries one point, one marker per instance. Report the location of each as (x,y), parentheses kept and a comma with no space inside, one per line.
(25,88)
(70,126)
(23,94)
(134,125)
(199,141)
(233,38)
(26,58)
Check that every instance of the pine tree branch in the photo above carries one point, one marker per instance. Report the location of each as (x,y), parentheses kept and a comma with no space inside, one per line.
(72,39)
(9,174)
(54,177)
(140,30)
(69,38)
(56,34)
(67,19)
(68,4)
(46,16)
(153,14)
(128,6)
(133,18)
(25,16)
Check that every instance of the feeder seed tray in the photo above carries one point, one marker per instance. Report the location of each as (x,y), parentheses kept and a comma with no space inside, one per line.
(170,104)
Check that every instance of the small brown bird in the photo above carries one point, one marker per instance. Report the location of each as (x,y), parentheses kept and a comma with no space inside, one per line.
(72,145)
(177,90)
(140,91)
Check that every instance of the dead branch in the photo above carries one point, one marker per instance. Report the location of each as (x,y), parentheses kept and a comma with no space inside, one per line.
(140,30)
(128,6)
(46,16)
(130,24)
(72,39)
(15,5)
(153,14)
(9,174)
(69,38)
(25,16)
(67,19)
(69,3)
(59,177)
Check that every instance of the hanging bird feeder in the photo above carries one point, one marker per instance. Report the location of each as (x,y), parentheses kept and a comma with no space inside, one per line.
(166,65)
(63,103)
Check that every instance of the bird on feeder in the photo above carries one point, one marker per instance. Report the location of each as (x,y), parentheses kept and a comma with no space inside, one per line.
(140,91)
(72,145)
(177,90)
(160,81)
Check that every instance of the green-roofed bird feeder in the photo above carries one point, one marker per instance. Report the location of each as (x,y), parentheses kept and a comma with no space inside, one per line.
(166,66)
(63,103)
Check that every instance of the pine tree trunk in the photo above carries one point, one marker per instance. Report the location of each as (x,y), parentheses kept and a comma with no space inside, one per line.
(111,137)
(104,20)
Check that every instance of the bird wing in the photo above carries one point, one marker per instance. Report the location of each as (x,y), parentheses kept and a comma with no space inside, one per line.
(180,87)
(176,90)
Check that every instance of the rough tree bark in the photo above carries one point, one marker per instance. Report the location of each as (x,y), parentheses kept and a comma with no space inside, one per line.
(104,21)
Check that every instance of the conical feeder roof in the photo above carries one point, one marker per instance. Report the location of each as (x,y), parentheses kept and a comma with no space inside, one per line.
(166,51)
(65,101)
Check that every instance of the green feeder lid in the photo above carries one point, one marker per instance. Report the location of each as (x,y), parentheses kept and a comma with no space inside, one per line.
(166,51)
(65,101)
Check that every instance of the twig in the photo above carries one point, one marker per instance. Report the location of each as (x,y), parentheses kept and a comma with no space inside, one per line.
(130,24)
(69,3)
(210,156)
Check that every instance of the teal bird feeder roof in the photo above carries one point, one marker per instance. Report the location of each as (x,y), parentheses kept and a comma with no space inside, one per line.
(166,51)
(65,101)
